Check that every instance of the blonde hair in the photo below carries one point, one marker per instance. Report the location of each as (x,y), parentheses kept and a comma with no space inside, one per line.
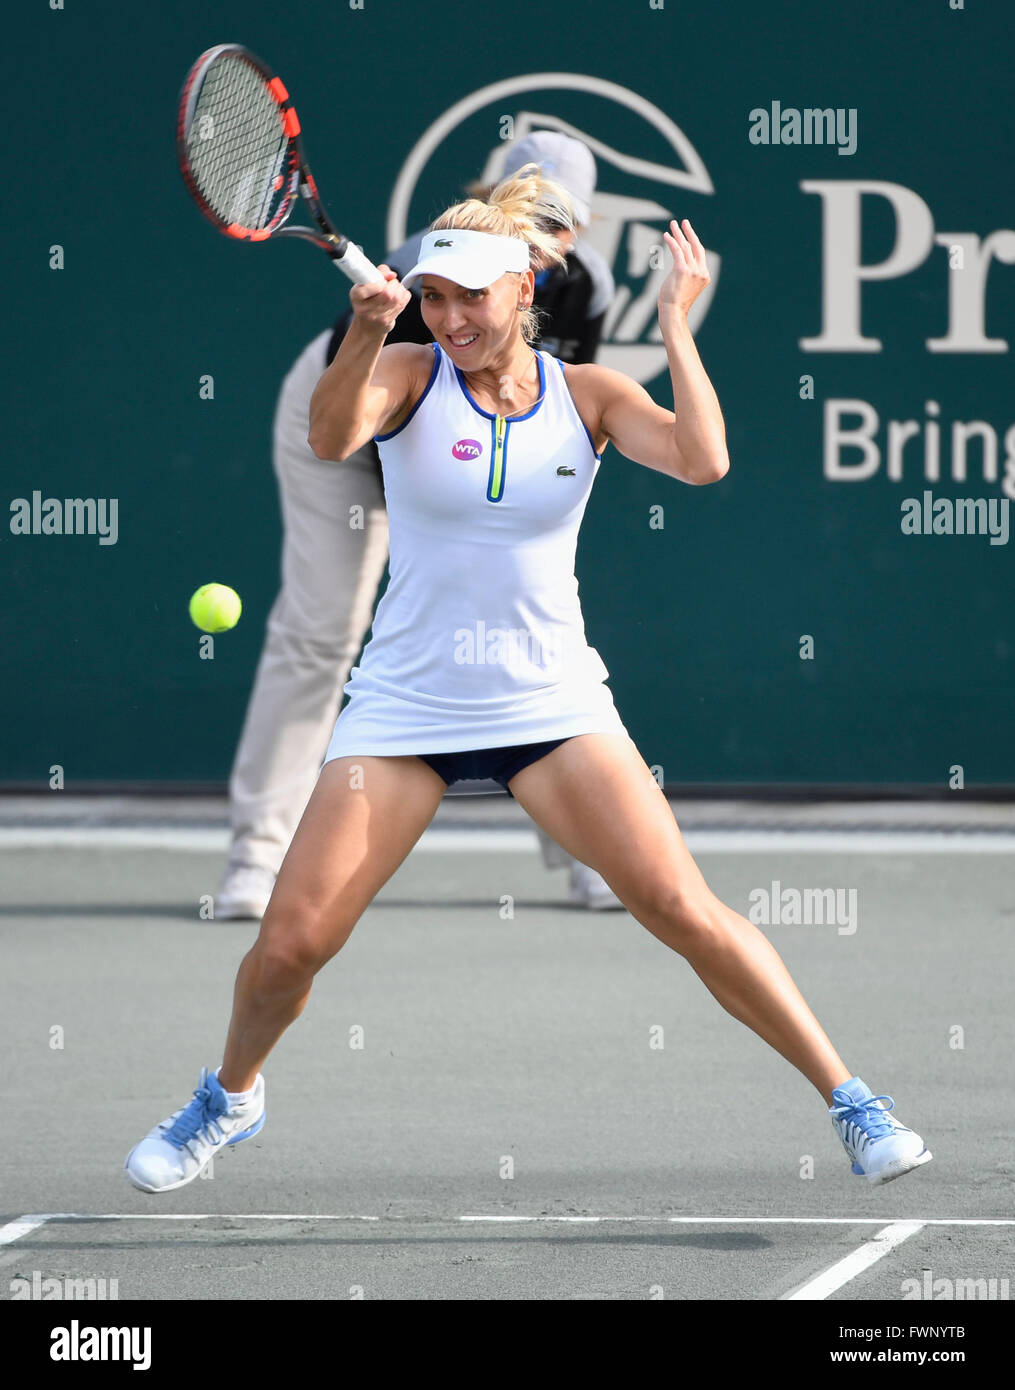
(526,206)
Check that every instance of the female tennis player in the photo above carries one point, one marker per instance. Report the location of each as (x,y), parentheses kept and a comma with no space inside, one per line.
(331,571)
(478,664)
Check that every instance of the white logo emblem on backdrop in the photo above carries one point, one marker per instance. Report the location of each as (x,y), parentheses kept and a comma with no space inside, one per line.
(624,229)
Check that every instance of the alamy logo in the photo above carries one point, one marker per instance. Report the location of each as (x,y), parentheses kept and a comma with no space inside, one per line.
(787,125)
(40,1288)
(958,516)
(808,907)
(931,1288)
(71,516)
(516,648)
(467,449)
(77,1343)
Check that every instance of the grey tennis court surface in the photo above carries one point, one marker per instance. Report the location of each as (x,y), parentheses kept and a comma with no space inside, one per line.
(494,1095)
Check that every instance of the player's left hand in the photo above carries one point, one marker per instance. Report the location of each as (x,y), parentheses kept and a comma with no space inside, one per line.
(689,275)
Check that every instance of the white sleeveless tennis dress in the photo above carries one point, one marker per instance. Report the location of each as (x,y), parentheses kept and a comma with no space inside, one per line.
(479,640)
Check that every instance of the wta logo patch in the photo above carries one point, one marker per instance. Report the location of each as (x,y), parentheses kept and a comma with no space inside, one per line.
(467,449)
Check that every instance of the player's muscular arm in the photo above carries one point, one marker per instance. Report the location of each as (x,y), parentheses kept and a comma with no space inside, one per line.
(368,385)
(618,410)
(367,390)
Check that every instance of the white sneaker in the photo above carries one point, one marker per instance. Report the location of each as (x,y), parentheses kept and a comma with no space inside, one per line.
(245,892)
(176,1151)
(880,1146)
(589,889)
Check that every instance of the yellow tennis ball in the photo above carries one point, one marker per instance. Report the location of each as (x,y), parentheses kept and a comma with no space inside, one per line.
(215,608)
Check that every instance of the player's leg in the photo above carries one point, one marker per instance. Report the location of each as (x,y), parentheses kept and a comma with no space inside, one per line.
(587,887)
(335,548)
(362,820)
(357,828)
(595,796)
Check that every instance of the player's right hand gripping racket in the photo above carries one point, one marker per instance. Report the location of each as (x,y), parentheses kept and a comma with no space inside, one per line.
(238,141)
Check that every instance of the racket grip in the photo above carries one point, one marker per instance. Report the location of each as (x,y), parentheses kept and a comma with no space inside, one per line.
(354,264)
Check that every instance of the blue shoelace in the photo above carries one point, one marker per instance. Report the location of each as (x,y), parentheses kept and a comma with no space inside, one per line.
(867,1116)
(196,1119)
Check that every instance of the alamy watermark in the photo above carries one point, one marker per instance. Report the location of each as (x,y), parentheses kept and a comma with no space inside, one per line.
(958,1289)
(77,1343)
(807,907)
(514,647)
(70,516)
(956,516)
(42,1289)
(788,125)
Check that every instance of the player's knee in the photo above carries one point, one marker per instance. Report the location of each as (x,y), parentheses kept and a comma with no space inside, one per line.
(689,919)
(290,949)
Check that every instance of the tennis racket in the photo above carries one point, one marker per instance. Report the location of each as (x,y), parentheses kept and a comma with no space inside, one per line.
(238,142)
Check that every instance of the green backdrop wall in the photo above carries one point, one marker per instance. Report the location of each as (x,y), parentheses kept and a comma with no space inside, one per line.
(700,622)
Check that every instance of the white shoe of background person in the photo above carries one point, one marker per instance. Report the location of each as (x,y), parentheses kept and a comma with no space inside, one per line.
(244,893)
(588,889)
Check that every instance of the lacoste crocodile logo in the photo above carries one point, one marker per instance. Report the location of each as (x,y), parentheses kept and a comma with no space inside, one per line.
(441,241)
(564,472)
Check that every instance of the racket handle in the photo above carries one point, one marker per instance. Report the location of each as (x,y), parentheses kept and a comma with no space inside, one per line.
(353,263)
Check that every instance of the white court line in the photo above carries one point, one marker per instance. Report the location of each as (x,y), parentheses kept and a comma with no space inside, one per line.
(764,1220)
(522,840)
(14,1230)
(816,1289)
(25,1224)
(856,1262)
(213,840)
(849,842)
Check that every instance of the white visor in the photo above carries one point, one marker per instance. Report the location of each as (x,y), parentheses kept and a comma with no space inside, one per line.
(471,259)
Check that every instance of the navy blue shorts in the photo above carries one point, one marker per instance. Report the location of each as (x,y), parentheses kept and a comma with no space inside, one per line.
(498,764)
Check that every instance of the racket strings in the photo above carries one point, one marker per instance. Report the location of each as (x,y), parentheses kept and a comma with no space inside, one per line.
(237,147)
